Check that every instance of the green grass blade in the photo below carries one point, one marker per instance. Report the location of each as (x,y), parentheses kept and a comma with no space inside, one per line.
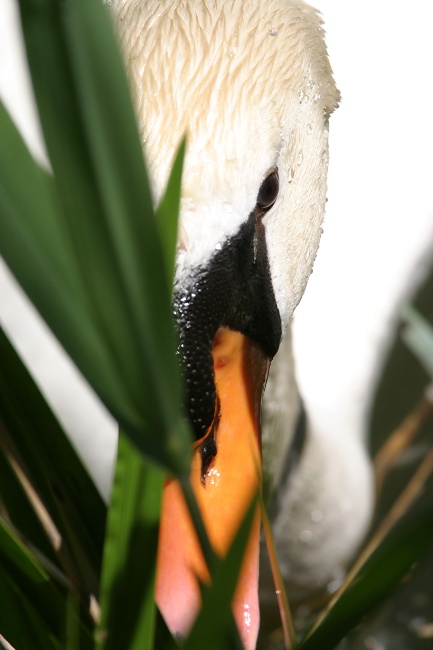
(104,192)
(163,637)
(62,128)
(127,585)
(18,508)
(197,520)
(33,244)
(18,555)
(39,201)
(168,209)
(211,631)
(66,318)
(30,602)
(55,469)
(72,641)
(20,624)
(61,119)
(121,179)
(124,192)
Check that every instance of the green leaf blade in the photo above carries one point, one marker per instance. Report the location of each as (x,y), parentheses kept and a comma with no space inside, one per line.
(127,598)
(168,209)
(109,220)
(55,470)
(219,631)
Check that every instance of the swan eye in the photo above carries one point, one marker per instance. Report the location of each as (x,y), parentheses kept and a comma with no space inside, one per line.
(268,192)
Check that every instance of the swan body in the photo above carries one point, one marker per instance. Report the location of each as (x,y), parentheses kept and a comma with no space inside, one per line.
(251,86)
(321,504)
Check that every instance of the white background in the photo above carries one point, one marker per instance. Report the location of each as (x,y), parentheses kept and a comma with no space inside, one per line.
(379,229)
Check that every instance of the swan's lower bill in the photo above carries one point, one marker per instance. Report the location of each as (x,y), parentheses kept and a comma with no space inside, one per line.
(225,475)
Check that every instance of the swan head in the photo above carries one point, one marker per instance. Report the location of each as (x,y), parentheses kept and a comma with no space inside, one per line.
(250,85)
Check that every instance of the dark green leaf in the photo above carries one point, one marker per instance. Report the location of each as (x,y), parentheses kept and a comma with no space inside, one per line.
(163,637)
(18,555)
(18,507)
(119,331)
(32,607)
(56,472)
(217,631)
(168,209)
(72,622)
(20,624)
(127,588)
(39,202)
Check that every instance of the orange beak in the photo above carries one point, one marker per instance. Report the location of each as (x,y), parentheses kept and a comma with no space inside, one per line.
(225,475)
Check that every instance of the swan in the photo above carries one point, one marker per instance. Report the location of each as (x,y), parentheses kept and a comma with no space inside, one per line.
(250,85)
